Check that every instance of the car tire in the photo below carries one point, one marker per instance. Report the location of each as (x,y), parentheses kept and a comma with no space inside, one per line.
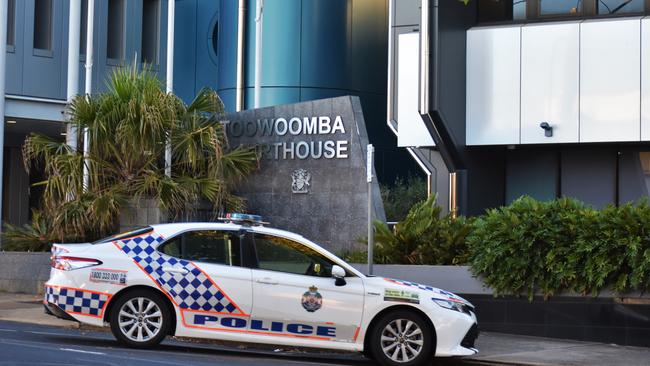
(140,319)
(402,338)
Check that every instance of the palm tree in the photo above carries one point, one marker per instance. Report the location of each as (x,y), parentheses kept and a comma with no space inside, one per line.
(129,127)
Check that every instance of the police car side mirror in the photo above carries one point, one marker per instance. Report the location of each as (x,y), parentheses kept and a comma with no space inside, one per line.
(339,274)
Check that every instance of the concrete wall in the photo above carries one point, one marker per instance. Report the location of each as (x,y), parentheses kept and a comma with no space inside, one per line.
(22,272)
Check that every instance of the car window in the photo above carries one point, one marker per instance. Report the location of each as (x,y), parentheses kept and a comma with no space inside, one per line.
(280,254)
(210,246)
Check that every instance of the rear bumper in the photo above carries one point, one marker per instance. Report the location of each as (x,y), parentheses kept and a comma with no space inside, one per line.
(54,310)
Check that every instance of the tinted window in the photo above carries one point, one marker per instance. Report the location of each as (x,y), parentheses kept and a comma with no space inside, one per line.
(559,7)
(115,41)
(620,6)
(43,24)
(284,255)
(11,22)
(150,30)
(210,246)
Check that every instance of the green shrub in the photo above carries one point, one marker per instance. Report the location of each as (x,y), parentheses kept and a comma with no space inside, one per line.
(35,236)
(423,237)
(402,195)
(562,245)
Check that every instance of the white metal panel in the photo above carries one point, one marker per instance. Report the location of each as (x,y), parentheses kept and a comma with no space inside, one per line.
(550,64)
(645,79)
(610,71)
(493,85)
(411,130)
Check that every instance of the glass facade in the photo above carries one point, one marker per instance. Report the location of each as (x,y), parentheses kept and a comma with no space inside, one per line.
(534,10)
(620,6)
(560,7)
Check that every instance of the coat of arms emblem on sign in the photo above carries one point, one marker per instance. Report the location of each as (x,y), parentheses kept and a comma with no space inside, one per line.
(312,300)
(300,181)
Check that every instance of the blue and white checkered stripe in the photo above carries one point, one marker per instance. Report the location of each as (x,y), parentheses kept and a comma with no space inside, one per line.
(77,301)
(193,291)
(410,284)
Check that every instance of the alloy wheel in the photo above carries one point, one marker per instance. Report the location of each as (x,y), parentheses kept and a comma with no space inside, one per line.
(402,340)
(140,319)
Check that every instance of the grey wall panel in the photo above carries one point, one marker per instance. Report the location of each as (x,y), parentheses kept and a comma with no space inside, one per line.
(589,174)
(486,178)
(534,172)
(633,174)
(99,64)
(42,73)
(645,79)
(395,66)
(493,85)
(610,73)
(14,72)
(16,183)
(550,70)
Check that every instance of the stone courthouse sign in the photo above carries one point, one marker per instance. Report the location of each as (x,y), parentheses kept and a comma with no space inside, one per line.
(312,177)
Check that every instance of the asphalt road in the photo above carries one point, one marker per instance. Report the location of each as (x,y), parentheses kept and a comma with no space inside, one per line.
(28,344)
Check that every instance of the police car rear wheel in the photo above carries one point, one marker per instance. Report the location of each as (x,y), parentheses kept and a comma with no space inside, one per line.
(140,319)
(402,338)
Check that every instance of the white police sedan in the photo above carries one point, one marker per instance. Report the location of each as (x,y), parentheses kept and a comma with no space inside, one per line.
(238,280)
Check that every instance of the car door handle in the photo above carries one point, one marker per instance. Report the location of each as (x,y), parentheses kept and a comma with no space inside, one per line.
(181,271)
(266,280)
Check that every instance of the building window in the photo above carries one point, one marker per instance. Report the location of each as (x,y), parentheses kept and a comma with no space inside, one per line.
(150,31)
(43,25)
(606,7)
(519,9)
(83,27)
(560,7)
(11,23)
(116,24)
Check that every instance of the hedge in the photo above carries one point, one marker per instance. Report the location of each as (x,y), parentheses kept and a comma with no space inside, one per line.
(530,247)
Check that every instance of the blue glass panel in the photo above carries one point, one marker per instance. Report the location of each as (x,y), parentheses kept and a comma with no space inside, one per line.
(325,43)
(227,72)
(272,96)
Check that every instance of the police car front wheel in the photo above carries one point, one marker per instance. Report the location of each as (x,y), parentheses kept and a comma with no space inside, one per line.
(140,319)
(402,337)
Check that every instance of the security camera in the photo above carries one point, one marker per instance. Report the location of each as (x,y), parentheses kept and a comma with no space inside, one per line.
(548,129)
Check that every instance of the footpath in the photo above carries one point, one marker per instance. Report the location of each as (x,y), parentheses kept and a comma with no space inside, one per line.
(495,348)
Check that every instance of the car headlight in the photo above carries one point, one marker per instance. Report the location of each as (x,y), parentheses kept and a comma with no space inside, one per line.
(448,304)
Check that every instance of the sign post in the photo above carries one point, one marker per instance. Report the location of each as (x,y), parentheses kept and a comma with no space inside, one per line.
(371,239)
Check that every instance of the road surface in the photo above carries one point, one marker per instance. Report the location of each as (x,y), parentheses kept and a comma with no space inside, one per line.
(37,345)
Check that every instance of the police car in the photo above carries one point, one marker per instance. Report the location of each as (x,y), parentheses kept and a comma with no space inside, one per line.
(238,280)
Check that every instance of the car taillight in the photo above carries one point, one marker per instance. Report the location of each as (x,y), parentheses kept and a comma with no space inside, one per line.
(67,263)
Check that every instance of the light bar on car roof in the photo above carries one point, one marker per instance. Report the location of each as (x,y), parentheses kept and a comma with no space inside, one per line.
(245,218)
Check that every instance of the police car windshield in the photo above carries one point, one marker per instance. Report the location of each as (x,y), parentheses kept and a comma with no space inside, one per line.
(127,234)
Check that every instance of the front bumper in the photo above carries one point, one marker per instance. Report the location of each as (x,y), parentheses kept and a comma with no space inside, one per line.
(470,338)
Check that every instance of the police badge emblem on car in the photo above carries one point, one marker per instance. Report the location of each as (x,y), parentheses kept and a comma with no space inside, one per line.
(312,300)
